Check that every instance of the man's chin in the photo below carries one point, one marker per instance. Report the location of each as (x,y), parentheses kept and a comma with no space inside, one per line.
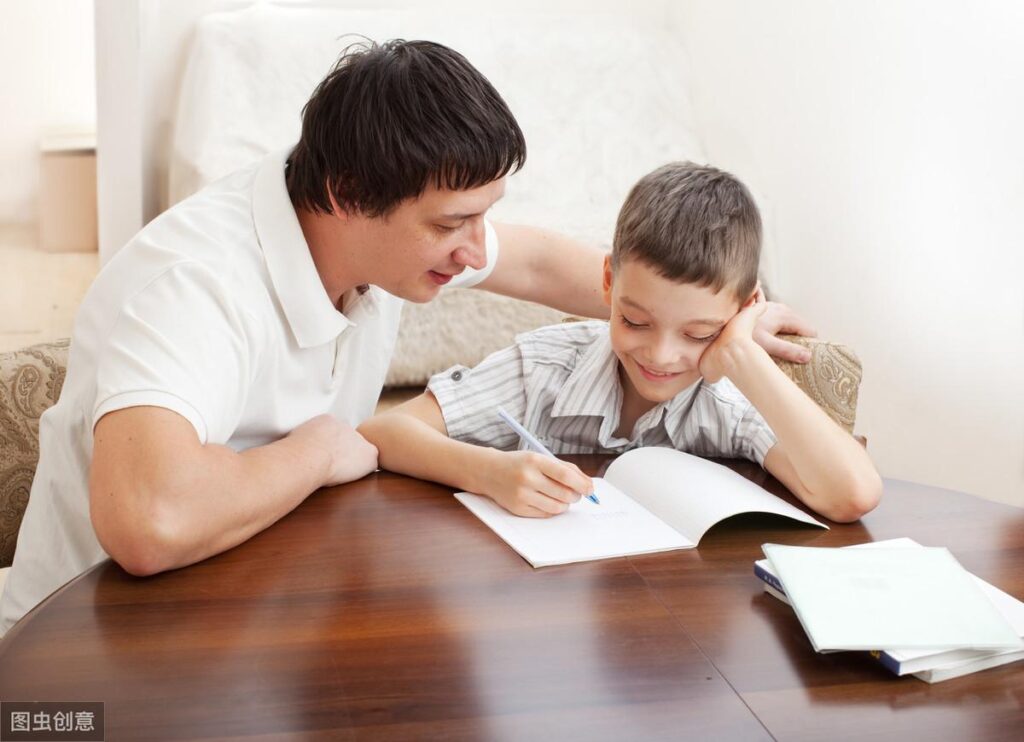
(420,293)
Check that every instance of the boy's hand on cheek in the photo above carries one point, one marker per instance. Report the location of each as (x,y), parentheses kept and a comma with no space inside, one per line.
(534,485)
(723,353)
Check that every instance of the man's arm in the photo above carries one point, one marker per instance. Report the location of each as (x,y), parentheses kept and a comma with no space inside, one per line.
(413,439)
(159,499)
(554,270)
(817,460)
(548,268)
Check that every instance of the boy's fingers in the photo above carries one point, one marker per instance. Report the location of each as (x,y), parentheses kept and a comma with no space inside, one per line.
(567,482)
(588,483)
(546,504)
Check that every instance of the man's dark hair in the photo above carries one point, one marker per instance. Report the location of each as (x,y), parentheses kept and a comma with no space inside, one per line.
(391,119)
(692,224)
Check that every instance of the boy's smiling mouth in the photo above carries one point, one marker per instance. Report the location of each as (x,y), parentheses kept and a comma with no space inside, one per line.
(653,375)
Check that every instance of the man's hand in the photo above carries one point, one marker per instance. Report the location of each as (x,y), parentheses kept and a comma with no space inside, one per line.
(351,456)
(779,318)
(534,485)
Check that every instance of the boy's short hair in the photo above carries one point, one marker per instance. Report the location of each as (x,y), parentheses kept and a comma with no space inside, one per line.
(392,118)
(692,224)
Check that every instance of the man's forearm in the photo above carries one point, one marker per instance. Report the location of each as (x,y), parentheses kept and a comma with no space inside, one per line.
(549,268)
(159,499)
(232,496)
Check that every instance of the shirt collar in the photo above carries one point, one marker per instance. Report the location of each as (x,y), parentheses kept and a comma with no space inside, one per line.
(593,386)
(594,389)
(313,319)
(676,411)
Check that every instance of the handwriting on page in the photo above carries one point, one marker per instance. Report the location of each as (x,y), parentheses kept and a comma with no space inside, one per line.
(615,515)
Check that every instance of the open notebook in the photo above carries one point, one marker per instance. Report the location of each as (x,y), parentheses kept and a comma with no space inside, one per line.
(652,499)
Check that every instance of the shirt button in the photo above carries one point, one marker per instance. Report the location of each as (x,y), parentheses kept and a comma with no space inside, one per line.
(456,376)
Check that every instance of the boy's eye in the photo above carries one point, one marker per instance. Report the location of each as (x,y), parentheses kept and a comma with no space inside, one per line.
(445,228)
(704,339)
(631,325)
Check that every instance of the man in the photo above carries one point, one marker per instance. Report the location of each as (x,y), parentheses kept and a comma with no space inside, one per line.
(221,360)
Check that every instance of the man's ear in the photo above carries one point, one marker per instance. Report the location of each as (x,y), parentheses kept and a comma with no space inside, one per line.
(609,277)
(336,210)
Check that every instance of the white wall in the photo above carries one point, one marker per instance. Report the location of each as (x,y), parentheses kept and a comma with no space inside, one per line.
(142,49)
(888,137)
(46,81)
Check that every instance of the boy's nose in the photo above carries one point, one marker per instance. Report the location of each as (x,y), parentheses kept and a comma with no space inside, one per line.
(665,354)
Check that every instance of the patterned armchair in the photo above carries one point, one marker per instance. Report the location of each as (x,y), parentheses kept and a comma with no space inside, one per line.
(831,378)
(31,380)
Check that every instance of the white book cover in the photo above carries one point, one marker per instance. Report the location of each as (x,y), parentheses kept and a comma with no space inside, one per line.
(908,661)
(652,499)
(863,599)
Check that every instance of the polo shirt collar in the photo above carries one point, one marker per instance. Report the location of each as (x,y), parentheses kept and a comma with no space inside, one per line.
(594,389)
(313,319)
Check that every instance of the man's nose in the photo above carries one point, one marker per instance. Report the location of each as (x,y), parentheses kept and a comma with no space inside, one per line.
(473,253)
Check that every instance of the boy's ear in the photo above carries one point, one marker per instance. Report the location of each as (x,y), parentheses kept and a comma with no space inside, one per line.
(752,299)
(609,277)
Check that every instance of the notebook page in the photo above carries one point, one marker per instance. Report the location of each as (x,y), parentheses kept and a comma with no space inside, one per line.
(691,494)
(616,527)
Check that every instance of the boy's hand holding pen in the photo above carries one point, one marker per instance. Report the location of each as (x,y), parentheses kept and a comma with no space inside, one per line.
(536,445)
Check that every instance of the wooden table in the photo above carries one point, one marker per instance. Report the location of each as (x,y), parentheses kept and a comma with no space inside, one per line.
(384,610)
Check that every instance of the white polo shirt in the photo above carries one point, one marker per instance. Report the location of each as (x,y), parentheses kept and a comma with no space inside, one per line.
(214,310)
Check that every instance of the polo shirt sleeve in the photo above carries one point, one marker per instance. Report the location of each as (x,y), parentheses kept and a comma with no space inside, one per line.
(470,276)
(469,399)
(180,344)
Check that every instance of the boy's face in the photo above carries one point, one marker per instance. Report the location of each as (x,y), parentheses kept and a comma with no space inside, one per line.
(424,242)
(660,328)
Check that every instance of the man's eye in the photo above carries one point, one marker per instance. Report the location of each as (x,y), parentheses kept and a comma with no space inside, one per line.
(445,228)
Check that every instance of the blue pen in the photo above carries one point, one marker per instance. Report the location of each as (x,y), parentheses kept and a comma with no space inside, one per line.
(533,443)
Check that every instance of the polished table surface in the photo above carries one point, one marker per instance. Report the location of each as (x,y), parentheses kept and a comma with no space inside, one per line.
(384,609)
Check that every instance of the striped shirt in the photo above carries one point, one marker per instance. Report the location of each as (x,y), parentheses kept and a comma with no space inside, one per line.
(562,383)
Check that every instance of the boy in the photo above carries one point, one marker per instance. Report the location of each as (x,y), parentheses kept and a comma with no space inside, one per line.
(676,366)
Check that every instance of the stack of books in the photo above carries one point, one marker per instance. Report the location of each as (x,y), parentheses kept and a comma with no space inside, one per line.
(937,620)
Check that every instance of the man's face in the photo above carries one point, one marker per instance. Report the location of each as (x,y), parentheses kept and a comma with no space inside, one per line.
(418,247)
(660,328)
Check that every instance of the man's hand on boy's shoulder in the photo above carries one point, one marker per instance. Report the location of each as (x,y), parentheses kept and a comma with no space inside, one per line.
(779,318)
